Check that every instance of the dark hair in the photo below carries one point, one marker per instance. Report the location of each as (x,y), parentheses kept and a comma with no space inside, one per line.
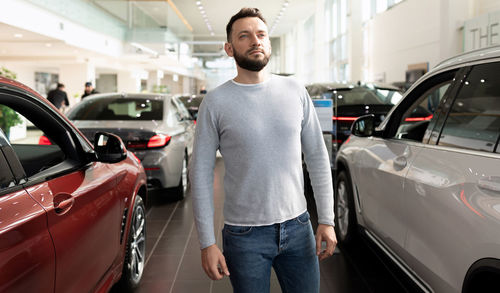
(60,85)
(88,83)
(244,12)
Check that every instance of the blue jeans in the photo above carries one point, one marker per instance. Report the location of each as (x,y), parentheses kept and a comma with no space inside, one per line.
(289,247)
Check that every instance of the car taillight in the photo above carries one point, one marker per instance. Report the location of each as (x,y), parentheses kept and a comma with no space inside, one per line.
(413,119)
(158,141)
(43,140)
(344,118)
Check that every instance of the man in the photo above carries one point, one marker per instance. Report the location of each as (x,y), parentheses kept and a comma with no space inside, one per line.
(58,96)
(261,124)
(89,90)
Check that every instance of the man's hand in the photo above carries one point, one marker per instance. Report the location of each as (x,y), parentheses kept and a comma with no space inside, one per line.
(325,233)
(213,262)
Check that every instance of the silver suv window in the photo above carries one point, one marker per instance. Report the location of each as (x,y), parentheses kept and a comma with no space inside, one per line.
(474,119)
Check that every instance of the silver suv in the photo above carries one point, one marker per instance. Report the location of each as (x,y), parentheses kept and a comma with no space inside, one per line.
(425,185)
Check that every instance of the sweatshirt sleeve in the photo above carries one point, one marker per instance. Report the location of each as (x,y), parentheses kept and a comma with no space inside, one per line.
(317,161)
(201,174)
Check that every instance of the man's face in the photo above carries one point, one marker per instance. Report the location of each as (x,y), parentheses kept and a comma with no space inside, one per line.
(249,45)
(88,89)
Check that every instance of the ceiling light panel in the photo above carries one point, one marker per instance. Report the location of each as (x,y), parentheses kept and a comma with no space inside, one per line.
(203,13)
(279,16)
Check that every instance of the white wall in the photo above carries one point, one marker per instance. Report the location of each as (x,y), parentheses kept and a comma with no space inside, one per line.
(417,31)
(408,33)
(485,6)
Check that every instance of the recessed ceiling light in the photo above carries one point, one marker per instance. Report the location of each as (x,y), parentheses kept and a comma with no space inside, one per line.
(198,3)
(18,36)
(48,45)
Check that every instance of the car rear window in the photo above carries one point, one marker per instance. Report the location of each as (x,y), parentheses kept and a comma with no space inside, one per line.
(359,95)
(363,96)
(118,108)
(191,101)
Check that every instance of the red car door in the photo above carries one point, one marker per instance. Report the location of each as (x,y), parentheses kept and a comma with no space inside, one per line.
(82,210)
(84,222)
(27,259)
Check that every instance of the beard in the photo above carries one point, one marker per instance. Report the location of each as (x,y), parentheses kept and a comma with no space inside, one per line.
(250,64)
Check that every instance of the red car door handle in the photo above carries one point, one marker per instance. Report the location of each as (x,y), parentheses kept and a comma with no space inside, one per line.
(64,203)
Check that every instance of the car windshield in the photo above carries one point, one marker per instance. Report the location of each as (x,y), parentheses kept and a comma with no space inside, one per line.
(363,96)
(191,101)
(118,108)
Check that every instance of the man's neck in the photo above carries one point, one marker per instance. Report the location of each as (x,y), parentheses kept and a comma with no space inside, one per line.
(251,77)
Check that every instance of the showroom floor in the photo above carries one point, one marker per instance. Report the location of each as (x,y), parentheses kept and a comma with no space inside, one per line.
(173,255)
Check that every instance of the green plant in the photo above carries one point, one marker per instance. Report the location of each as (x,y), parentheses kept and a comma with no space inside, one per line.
(8,117)
(7,73)
(163,89)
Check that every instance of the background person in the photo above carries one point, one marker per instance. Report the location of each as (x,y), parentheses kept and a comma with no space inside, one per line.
(58,97)
(89,90)
(261,124)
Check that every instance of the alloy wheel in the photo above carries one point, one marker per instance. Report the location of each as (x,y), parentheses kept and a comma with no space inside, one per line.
(184,175)
(342,212)
(137,244)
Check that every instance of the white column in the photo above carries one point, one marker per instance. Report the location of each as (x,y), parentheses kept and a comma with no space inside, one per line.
(74,76)
(129,82)
(154,78)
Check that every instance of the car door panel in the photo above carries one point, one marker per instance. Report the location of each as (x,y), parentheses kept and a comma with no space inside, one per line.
(87,234)
(27,258)
(437,193)
(384,164)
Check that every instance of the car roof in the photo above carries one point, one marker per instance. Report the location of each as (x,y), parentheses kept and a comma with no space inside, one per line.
(190,96)
(471,56)
(154,96)
(17,84)
(318,88)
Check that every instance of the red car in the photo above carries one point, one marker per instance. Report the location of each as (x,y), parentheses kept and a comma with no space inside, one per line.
(72,215)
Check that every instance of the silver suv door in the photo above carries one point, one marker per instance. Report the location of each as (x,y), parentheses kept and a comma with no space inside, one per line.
(452,189)
(384,162)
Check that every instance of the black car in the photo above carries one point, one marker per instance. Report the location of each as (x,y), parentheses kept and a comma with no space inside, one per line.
(352,100)
(192,103)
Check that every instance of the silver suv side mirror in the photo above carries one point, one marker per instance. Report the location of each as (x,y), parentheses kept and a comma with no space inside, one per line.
(364,126)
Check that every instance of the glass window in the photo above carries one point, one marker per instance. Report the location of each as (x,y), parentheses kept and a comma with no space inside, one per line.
(6,177)
(36,151)
(118,108)
(381,6)
(343,16)
(416,120)
(474,118)
(366,10)
(335,18)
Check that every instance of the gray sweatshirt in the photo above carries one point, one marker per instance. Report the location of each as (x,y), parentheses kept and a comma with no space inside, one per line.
(261,131)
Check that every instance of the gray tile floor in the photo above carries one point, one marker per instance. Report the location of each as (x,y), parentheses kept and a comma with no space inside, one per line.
(173,261)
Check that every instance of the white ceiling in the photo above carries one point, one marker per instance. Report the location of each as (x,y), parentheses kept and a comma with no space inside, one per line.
(32,46)
(218,12)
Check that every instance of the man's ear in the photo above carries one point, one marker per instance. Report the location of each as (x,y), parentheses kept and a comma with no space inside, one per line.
(229,49)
